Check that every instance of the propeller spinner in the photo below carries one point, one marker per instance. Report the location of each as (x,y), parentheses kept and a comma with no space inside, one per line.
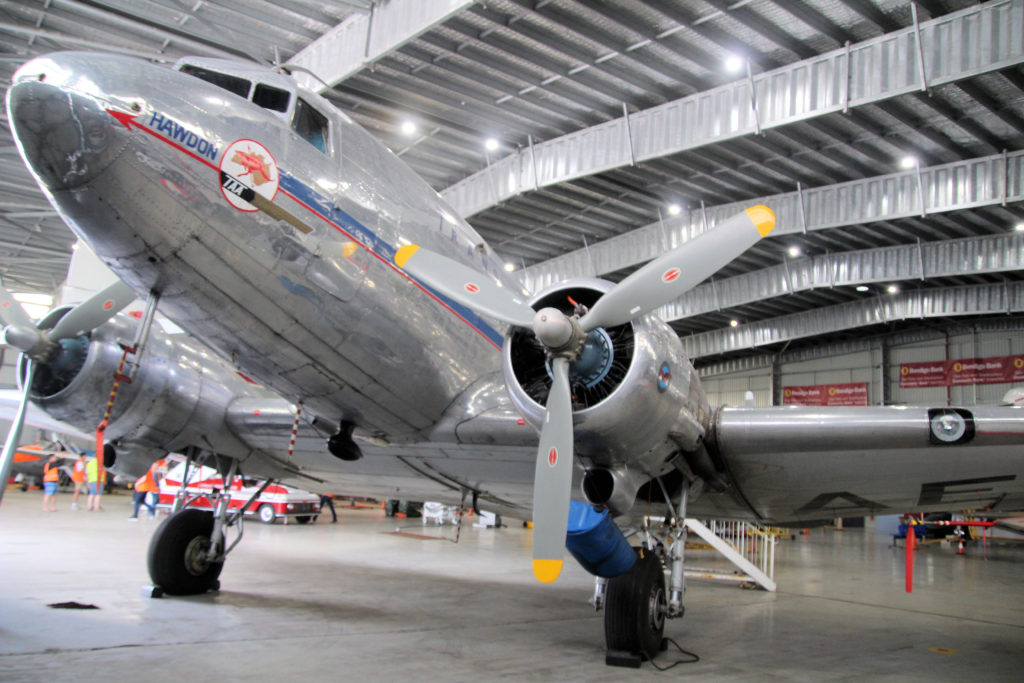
(655,284)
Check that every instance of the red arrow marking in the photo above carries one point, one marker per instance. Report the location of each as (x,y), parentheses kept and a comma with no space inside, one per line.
(127,120)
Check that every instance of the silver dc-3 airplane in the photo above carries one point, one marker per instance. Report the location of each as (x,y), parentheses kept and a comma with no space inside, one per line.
(348,331)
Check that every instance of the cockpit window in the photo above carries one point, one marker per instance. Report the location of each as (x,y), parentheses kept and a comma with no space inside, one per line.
(239,86)
(271,98)
(310,124)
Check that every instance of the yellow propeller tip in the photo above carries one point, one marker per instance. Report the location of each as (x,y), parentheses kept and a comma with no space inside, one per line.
(547,571)
(763,218)
(404,254)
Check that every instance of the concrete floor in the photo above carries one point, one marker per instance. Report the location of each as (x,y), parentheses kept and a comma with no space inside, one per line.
(351,601)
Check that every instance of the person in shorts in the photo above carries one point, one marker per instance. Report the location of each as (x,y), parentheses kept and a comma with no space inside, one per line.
(51,478)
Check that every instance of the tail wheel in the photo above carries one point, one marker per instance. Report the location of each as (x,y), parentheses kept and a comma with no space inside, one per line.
(177,554)
(635,607)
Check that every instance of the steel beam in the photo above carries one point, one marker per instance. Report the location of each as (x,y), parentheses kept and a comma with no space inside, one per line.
(362,39)
(985,181)
(989,299)
(958,45)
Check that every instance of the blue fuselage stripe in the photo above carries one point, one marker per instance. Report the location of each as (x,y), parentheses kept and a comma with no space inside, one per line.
(372,241)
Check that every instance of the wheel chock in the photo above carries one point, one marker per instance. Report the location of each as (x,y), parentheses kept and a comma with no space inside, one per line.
(626,660)
(152,591)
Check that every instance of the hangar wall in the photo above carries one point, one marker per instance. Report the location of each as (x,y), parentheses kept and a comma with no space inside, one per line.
(882,358)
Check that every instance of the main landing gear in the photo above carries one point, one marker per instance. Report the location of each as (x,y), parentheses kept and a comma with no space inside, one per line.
(637,603)
(187,551)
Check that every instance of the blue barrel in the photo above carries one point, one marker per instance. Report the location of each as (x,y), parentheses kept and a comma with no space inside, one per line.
(596,541)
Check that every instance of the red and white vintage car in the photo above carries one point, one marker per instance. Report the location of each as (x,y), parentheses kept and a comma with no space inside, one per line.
(276,502)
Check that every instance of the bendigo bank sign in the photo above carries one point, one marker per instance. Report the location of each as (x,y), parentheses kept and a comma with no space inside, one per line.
(940,373)
(850,394)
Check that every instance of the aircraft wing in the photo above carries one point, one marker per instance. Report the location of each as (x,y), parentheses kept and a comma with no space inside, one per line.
(489,456)
(798,463)
(10,399)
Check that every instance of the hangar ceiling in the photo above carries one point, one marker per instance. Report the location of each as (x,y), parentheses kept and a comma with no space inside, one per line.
(888,136)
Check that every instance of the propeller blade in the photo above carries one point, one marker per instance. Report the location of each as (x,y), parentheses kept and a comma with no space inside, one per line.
(13,436)
(552,479)
(469,287)
(669,276)
(11,312)
(93,312)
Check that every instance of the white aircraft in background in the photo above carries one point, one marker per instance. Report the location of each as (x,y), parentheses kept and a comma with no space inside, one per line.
(300,254)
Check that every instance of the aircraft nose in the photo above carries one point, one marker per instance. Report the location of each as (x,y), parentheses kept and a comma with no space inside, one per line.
(63,131)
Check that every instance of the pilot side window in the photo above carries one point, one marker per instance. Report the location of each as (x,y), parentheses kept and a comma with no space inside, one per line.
(239,86)
(267,97)
(310,124)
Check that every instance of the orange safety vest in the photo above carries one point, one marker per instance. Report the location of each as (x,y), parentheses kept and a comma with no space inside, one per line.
(78,472)
(147,482)
(51,472)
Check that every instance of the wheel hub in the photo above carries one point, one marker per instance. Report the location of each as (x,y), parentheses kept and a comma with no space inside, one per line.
(656,609)
(195,555)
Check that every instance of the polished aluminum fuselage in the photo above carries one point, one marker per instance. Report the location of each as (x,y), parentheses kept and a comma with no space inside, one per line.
(313,307)
(325,317)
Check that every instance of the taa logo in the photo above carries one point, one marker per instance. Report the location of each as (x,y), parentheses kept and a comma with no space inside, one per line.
(247,169)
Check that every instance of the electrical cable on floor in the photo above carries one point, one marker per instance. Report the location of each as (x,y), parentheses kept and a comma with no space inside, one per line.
(696,658)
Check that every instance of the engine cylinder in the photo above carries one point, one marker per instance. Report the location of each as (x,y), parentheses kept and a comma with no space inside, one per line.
(629,385)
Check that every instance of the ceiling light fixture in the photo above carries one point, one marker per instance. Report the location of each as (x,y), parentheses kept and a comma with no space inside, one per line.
(892,289)
(408,128)
(794,251)
(862,288)
(509,267)
(674,209)
(733,64)
(1019,227)
(734,323)
(908,162)
(491,144)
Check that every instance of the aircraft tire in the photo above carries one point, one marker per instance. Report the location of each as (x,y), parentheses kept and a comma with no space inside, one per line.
(173,559)
(634,609)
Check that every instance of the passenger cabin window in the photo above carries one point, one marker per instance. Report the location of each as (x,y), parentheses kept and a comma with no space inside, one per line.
(310,124)
(271,98)
(234,84)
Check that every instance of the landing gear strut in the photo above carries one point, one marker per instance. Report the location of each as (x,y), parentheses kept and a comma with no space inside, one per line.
(637,603)
(187,551)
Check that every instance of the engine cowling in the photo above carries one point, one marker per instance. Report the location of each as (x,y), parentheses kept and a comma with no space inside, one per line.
(178,395)
(636,399)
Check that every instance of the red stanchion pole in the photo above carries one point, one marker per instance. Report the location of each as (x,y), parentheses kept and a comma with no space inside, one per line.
(910,556)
